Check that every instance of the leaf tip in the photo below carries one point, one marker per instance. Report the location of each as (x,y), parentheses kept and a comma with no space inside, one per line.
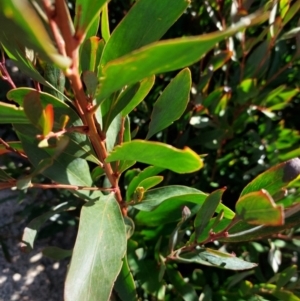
(291,170)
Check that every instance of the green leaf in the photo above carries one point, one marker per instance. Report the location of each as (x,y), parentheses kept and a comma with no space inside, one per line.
(144,88)
(66,169)
(21,61)
(291,12)
(56,253)
(247,90)
(171,103)
(100,243)
(133,32)
(154,197)
(285,295)
(33,108)
(79,145)
(157,154)
(20,22)
(116,106)
(184,289)
(90,80)
(151,182)
(245,232)
(125,286)
(112,133)
(56,78)
(146,272)
(215,258)
(12,114)
(258,208)
(286,275)
(213,226)
(105,32)
(163,56)
(275,178)
(170,210)
(207,210)
(144,174)
(90,53)
(87,11)
(30,232)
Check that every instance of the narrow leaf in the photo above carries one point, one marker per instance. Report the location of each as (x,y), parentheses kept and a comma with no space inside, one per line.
(171,103)
(12,114)
(151,182)
(157,154)
(105,23)
(22,23)
(217,259)
(119,104)
(102,229)
(86,11)
(170,210)
(163,56)
(154,197)
(33,108)
(90,53)
(275,178)
(144,174)
(144,88)
(125,286)
(90,80)
(286,275)
(32,228)
(258,208)
(133,32)
(56,253)
(207,210)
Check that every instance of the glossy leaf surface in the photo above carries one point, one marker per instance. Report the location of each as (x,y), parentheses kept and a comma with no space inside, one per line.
(275,178)
(154,197)
(218,259)
(86,13)
(21,20)
(125,286)
(11,113)
(171,103)
(258,208)
(133,32)
(207,210)
(162,57)
(144,88)
(144,174)
(157,154)
(102,229)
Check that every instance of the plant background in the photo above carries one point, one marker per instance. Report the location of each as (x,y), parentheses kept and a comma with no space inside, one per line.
(241,141)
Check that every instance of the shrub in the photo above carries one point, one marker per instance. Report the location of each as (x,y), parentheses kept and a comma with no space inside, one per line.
(74,129)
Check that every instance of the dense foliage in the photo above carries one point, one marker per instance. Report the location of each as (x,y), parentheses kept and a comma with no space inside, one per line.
(172,131)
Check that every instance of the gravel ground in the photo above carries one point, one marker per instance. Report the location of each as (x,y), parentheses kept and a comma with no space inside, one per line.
(29,276)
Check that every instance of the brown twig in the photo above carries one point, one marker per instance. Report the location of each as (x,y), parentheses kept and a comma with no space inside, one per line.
(12,184)
(54,28)
(83,106)
(4,73)
(11,149)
